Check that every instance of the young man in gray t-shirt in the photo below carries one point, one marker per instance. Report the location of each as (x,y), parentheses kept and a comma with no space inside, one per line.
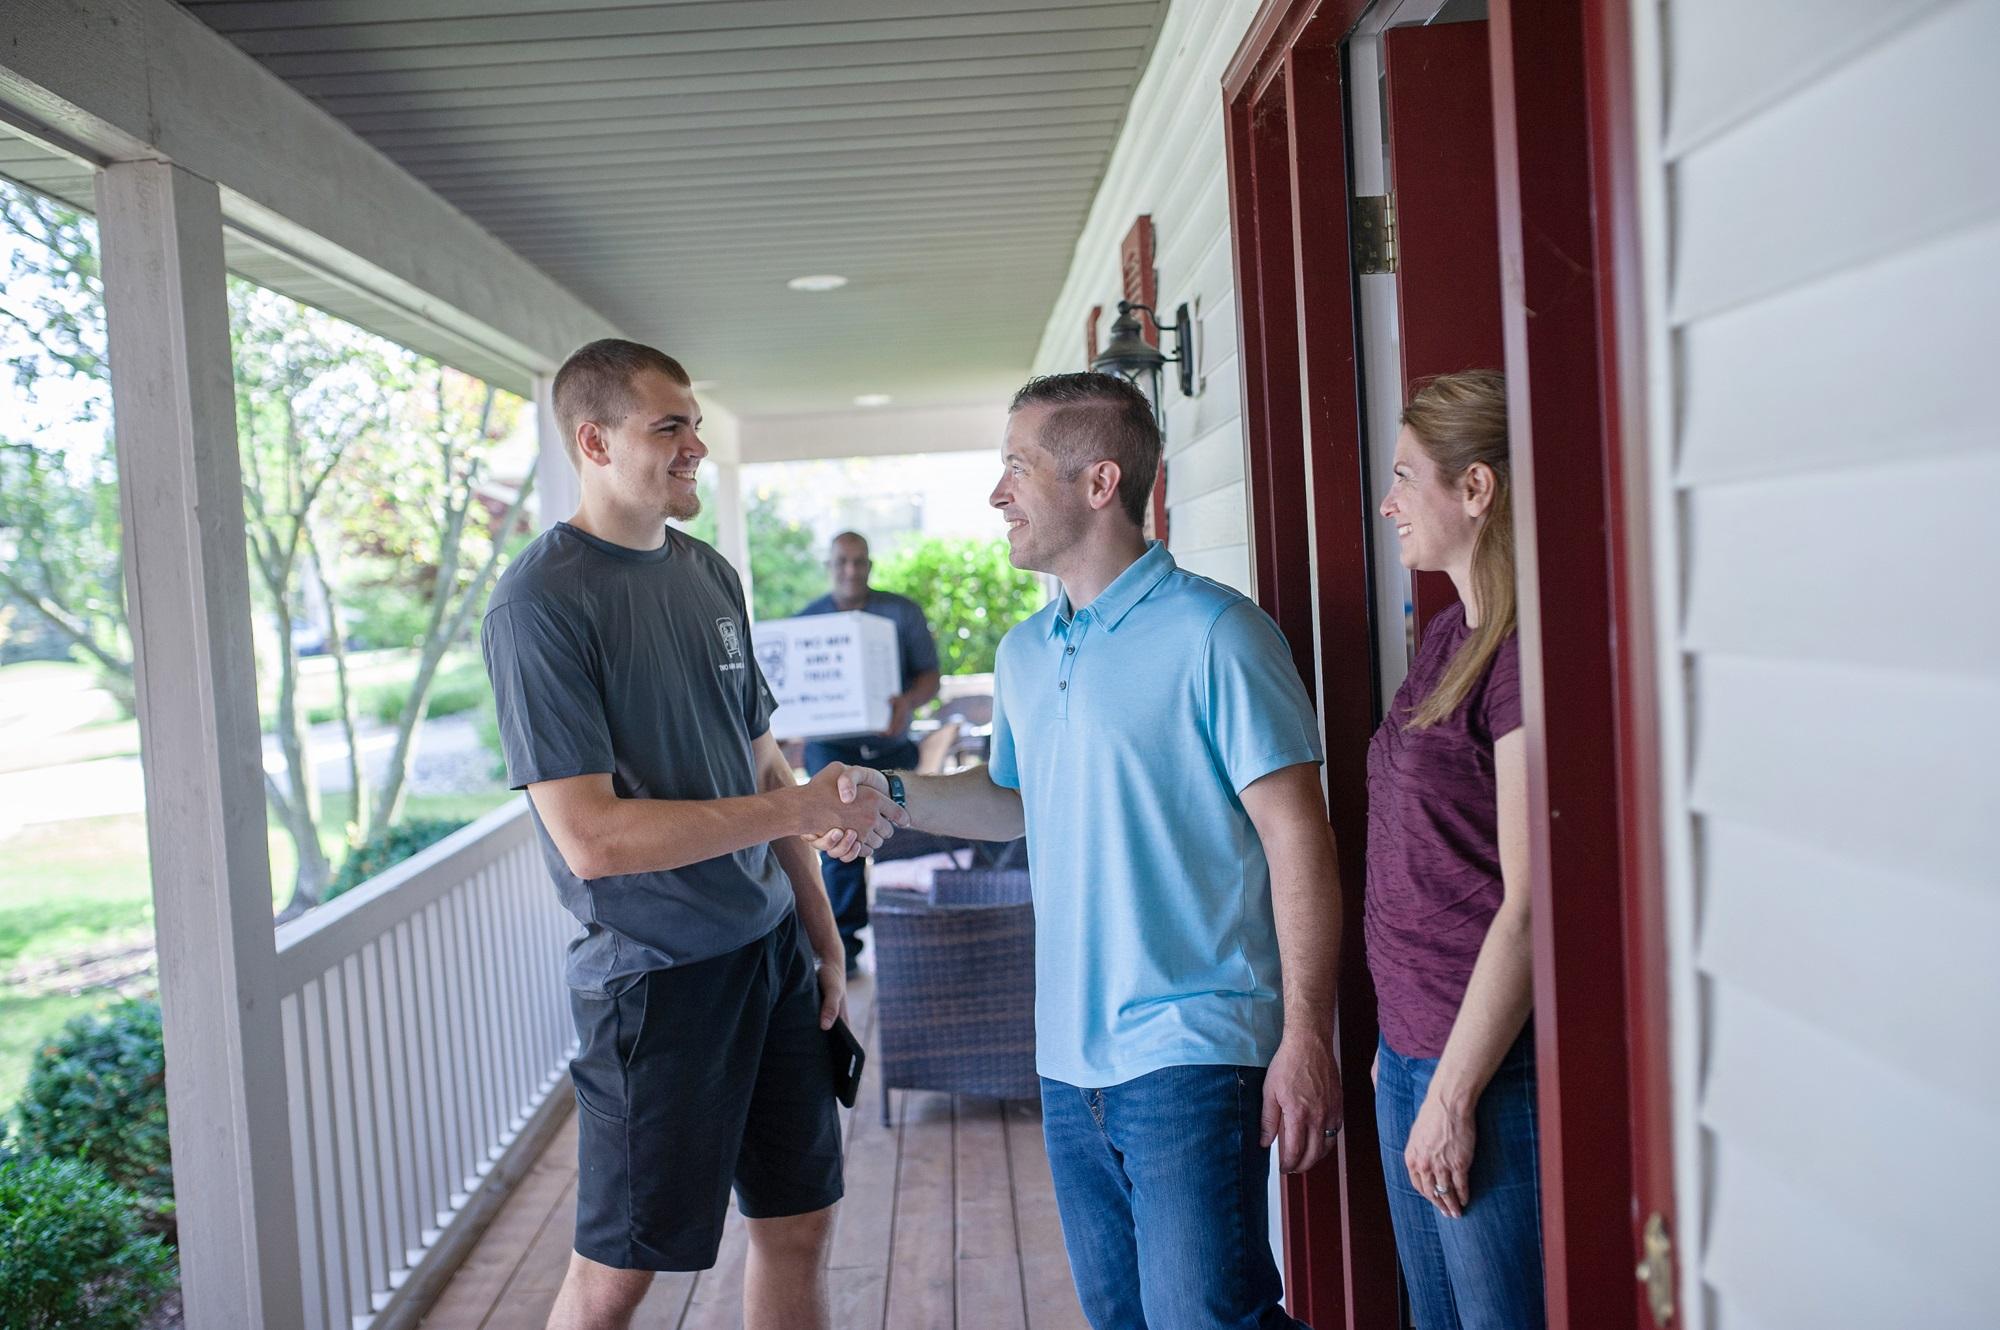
(633,713)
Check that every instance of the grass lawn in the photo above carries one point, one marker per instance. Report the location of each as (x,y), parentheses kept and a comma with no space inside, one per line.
(65,885)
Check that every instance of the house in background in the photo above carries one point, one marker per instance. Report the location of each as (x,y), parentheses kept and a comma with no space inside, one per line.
(1739,263)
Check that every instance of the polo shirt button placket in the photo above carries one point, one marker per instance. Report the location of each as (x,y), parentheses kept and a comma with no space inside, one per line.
(1077,626)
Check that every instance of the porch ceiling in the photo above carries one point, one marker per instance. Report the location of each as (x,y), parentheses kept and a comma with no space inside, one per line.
(675,162)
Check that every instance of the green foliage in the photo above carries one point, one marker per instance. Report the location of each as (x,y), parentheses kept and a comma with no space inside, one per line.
(453,691)
(59,533)
(785,571)
(98,1093)
(384,608)
(386,849)
(73,1255)
(970,592)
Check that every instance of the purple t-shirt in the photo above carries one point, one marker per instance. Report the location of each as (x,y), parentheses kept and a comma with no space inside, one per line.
(1434,841)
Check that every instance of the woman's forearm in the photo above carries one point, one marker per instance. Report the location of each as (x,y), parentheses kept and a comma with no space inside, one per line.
(1496,1007)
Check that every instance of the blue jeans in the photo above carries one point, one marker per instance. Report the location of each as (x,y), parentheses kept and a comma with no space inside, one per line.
(1160,1183)
(1482,1271)
(847,884)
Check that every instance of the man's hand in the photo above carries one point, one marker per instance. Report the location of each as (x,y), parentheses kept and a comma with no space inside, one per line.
(1302,1102)
(833,801)
(832,989)
(900,711)
(860,783)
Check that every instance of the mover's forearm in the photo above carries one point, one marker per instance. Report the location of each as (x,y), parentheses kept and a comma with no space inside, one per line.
(620,836)
(801,866)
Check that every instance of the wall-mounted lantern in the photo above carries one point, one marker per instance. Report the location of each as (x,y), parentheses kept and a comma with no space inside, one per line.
(1131,357)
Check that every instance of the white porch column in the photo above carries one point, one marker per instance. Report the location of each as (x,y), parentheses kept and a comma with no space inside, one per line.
(732,534)
(556,486)
(188,585)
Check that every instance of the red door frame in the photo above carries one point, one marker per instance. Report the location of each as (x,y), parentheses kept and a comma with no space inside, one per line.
(1565,169)
(1614,156)
(1286,134)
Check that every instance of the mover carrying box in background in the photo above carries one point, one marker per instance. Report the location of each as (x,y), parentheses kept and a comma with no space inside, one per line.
(833,674)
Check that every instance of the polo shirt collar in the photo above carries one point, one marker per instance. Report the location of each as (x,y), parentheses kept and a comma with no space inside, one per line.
(1126,590)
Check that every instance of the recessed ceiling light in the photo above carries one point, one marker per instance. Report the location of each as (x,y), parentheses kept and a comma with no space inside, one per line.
(873,399)
(824,281)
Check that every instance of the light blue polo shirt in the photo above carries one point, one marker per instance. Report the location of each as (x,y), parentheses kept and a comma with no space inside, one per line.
(1130,727)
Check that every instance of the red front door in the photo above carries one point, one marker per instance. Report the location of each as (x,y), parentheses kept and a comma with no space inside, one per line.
(1439,126)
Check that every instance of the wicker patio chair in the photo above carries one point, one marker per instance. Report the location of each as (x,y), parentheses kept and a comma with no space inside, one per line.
(980,886)
(954,996)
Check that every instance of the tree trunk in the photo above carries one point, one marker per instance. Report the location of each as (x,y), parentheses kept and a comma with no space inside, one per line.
(448,624)
(357,776)
(300,811)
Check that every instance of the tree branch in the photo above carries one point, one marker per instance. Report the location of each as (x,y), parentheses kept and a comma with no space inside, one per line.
(60,619)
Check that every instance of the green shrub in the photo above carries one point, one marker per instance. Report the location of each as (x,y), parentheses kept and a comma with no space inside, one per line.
(452,691)
(73,1253)
(386,849)
(971,593)
(98,1093)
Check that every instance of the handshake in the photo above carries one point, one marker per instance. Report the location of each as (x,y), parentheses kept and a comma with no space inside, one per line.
(853,806)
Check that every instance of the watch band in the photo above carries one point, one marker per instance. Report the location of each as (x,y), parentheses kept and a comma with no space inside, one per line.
(896,788)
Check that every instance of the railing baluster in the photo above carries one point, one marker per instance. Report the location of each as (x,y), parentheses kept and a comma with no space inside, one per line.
(481,919)
(319,1114)
(340,1135)
(520,992)
(534,962)
(363,1040)
(507,966)
(408,1076)
(464,1054)
(383,1032)
(305,1185)
(451,1130)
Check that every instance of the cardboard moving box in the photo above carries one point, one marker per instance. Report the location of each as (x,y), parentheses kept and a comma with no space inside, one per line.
(833,674)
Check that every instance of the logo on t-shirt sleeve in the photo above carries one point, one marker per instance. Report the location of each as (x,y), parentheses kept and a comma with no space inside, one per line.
(732,640)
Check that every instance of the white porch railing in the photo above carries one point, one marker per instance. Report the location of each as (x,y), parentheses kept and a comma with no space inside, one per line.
(425,1023)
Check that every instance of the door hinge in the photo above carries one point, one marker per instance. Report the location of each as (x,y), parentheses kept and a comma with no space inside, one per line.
(1375,233)
(1656,1270)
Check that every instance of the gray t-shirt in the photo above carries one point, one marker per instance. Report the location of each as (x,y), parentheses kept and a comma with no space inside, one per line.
(636,663)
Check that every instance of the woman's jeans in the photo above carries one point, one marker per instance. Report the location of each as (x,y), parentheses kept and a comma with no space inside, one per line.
(1482,1271)
(1161,1186)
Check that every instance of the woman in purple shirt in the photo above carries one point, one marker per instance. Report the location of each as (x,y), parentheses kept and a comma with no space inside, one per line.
(1446,906)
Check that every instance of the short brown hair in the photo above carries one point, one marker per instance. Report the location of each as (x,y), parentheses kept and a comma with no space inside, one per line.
(595,384)
(1099,418)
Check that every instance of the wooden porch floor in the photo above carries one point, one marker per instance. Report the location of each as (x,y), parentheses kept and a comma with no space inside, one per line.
(949,1223)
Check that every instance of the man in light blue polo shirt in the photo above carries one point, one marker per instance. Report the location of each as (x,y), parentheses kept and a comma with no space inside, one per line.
(1151,736)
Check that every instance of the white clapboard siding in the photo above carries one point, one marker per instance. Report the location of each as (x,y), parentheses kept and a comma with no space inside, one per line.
(1884,153)
(1170,163)
(1730,60)
(1823,188)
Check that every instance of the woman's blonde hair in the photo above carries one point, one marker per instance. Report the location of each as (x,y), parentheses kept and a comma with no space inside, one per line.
(1461,419)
